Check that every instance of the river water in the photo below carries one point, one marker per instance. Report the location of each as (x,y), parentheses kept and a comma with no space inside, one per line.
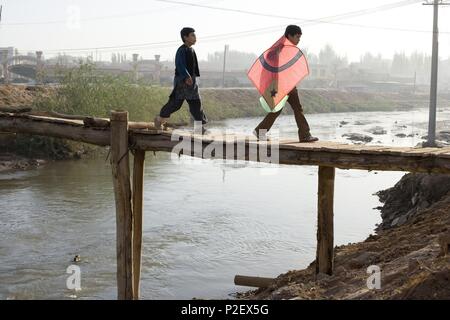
(204,221)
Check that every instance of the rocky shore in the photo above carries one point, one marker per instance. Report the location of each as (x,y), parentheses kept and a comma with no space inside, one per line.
(410,197)
(12,162)
(409,248)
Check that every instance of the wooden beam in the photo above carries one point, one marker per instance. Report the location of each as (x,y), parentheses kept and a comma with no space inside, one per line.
(57,115)
(15,109)
(54,128)
(257,282)
(96,122)
(325,232)
(138,193)
(124,214)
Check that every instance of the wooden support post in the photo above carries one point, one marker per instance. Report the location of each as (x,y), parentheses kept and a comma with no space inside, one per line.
(325,236)
(124,214)
(138,192)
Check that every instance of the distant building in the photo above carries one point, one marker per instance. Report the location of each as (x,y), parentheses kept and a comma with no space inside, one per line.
(6,53)
(150,69)
(319,71)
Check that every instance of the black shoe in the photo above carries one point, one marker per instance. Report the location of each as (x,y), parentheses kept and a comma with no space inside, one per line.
(309,139)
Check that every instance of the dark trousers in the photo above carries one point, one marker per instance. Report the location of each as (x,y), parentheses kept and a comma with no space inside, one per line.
(195,108)
(302,124)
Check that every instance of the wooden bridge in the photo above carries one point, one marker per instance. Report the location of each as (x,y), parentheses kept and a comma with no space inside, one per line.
(136,137)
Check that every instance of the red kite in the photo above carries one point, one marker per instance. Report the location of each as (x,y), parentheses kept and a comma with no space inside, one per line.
(277,71)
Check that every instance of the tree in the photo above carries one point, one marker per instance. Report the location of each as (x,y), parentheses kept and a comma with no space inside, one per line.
(236,60)
(376,63)
(399,64)
(329,57)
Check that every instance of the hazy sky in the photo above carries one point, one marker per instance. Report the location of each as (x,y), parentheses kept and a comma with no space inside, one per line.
(52,25)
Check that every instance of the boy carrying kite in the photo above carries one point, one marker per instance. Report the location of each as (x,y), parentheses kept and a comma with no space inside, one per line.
(275,74)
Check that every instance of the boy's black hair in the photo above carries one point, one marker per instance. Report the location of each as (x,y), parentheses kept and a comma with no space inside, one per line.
(292,30)
(185,32)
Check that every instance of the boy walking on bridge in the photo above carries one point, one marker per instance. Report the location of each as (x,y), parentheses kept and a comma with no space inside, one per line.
(185,83)
(293,34)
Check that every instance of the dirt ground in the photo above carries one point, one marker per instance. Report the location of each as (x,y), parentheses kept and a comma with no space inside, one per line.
(409,257)
(20,95)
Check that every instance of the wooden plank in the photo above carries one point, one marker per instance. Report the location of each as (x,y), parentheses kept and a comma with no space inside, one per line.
(145,132)
(330,146)
(443,153)
(316,146)
(287,141)
(73,122)
(413,151)
(325,227)
(397,151)
(336,147)
(378,150)
(421,152)
(124,214)
(365,162)
(142,125)
(11,109)
(349,148)
(57,115)
(138,193)
(96,122)
(63,129)
(87,120)
(256,282)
